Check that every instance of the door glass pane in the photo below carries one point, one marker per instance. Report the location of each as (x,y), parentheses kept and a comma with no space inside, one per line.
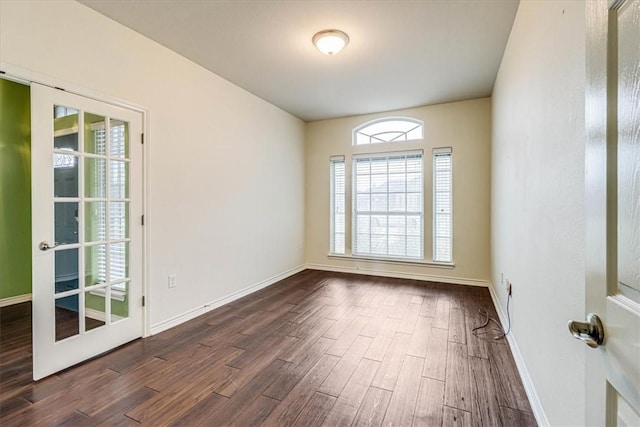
(65,127)
(66,270)
(118,261)
(95,141)
(119,220)
(94,308)
(95,227)
(629,151)
(67,319)
(66,142)
(118,179)
(95,265)
(66,222)
(119,139)
(95,181)
(119,301)
(65,175)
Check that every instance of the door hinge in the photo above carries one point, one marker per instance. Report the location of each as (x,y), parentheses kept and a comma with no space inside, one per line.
(142,219)
(142,138)
(143,300)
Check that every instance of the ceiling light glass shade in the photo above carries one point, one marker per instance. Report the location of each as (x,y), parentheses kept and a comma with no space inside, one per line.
(330,42)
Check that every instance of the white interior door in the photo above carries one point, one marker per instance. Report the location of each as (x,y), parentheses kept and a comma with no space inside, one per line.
(613,210)
(87,231)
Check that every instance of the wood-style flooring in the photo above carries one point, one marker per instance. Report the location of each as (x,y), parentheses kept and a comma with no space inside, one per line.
(317,348)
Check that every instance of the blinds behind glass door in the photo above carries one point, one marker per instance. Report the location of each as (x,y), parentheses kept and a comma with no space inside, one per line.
(117,211)
(442,205)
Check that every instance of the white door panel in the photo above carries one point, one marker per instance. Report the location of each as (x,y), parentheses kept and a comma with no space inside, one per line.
(613,210)
(86,229)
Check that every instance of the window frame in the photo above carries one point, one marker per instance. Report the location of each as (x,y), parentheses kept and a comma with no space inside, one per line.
(406,214)
(333,161)
(386,148)
(442,152)
(419,124)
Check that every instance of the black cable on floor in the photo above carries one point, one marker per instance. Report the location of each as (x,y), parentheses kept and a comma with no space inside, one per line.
(488,320)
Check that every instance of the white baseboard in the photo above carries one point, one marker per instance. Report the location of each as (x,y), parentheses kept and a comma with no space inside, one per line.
(534,400)
(15,300)
(400,275)
(212,305)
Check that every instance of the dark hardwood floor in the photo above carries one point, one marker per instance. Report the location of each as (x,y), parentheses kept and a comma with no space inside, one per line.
(317,348)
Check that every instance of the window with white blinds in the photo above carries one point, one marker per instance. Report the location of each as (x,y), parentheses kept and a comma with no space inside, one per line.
(442,205)
(387,205)
(337,205)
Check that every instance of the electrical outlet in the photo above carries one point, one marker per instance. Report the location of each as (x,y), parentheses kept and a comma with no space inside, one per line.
(172,280)
(509,288)
(506,284)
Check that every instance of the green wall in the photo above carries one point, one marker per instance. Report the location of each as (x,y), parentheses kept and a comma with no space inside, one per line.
(15,189)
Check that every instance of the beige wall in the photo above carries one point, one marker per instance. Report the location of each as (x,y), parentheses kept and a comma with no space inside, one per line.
(465,126)
(226,169)
(538,199)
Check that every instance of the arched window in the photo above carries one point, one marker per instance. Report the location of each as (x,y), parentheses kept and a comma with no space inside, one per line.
(388,129)
(388,197)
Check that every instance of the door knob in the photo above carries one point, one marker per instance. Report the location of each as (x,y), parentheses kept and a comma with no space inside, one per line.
(45,246)
(591,331)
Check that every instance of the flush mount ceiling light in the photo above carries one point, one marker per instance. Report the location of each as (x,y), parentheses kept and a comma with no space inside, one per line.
(330,42)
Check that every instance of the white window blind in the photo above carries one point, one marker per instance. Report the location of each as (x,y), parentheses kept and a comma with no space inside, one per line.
(387,205)
(337,205)
(442,205)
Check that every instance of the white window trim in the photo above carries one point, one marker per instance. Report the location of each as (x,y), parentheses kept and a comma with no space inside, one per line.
(390,260)
(388,154)
(356,130)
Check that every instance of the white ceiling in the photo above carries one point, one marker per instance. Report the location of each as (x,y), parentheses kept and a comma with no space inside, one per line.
(402,53)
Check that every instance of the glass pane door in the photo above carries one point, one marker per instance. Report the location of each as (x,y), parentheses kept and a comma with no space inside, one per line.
(91,205)
(87,259)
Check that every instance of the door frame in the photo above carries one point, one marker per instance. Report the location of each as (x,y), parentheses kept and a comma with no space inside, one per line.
(596,215)
(27,77)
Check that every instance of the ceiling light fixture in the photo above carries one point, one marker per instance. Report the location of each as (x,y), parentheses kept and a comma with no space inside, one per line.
(330,42)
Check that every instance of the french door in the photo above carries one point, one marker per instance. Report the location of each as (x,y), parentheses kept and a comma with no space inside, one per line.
(86,228)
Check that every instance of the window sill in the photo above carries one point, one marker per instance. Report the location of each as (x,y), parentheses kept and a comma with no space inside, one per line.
(116,294)
(447,265)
